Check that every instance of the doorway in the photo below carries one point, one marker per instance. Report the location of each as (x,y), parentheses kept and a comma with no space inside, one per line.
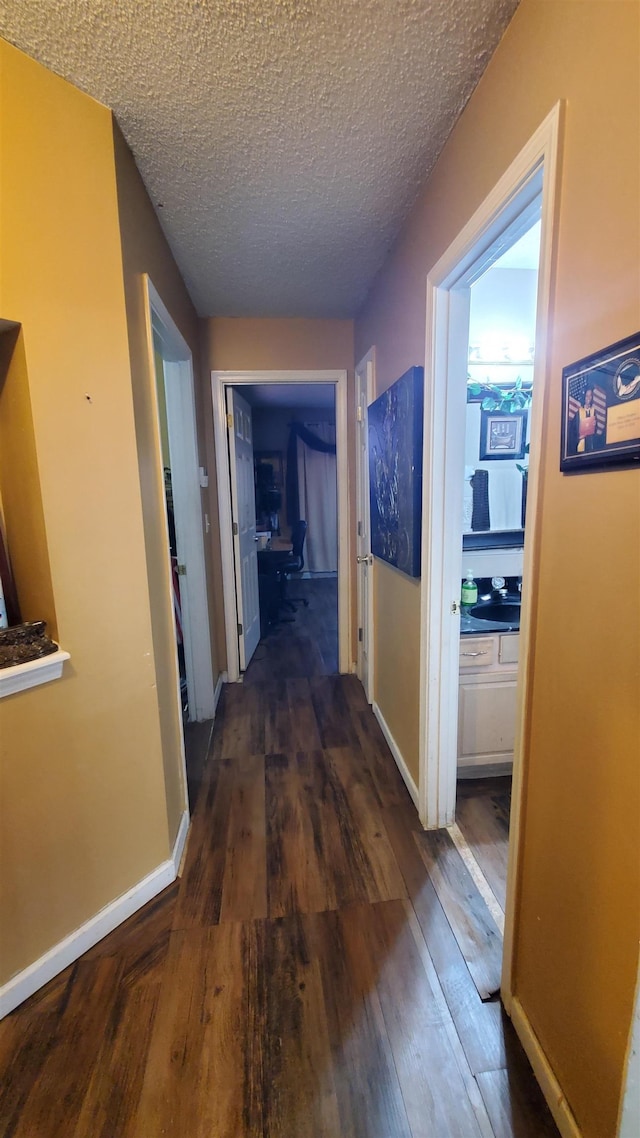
(526,192)
(260,388)
(293,549)
(174,400)
(502,327)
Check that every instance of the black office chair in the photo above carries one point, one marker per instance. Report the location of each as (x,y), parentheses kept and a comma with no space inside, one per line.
(293,563)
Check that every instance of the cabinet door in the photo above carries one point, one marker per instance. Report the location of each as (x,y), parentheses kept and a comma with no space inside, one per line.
(486,719)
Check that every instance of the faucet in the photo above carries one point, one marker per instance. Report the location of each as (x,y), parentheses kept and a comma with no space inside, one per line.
(498,588)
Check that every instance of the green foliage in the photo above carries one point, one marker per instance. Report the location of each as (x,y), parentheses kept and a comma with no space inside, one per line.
(500,399)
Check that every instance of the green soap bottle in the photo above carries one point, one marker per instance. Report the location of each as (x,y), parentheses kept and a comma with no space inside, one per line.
(469,594)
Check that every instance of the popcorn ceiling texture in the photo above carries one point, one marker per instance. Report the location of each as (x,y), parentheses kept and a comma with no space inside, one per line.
(285,139)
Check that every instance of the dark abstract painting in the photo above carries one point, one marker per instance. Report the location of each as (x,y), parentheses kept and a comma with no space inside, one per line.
(395,472)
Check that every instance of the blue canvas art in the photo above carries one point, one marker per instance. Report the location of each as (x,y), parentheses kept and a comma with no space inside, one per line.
(395,472)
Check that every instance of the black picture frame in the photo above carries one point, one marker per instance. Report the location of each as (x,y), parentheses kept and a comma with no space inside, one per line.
(602,429)
(395,472)
(503,435)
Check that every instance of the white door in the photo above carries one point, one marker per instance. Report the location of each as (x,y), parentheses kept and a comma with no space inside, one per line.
(364,389)
(243,511)
(187,506)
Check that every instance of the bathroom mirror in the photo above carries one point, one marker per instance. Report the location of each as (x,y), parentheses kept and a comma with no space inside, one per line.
(502,318)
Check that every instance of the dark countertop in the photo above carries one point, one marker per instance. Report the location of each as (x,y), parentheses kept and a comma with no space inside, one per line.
(473,626)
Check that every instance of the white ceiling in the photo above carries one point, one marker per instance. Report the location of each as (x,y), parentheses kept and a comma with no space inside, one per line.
(294,396)
(281,141)
(524,254)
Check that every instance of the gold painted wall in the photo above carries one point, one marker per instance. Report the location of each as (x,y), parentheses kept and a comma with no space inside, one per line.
(145,250)
(577,921)
(264,344)
(82,796)
(281,344)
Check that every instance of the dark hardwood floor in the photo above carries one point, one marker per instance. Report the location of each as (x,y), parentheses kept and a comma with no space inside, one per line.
(483,806)
(304,643)
(305,977)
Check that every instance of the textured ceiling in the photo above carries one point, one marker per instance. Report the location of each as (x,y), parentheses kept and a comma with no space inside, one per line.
(285,139)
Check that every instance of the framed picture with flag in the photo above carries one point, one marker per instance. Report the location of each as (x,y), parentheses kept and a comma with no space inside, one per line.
(601,409)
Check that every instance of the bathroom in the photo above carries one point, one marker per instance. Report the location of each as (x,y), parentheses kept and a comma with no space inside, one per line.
(499,391)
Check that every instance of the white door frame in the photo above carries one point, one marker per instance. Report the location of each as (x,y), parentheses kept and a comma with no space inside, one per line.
(221,380)
(365,369)
(183,443)
(534,171)
(243,506)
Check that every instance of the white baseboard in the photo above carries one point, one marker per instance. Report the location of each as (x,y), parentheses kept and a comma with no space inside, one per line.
(25,983)
(221,681)
(397,754)
(180,842)
(549,1085)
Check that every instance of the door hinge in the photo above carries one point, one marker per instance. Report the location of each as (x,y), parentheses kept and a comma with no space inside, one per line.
(360,635)
(359,414)
(182,570)
(239,629)
(235,529)
(229,420)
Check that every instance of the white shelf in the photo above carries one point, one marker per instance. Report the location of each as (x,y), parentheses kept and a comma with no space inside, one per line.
(19,677)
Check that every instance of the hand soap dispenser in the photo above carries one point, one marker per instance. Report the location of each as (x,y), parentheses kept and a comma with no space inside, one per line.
(469,594)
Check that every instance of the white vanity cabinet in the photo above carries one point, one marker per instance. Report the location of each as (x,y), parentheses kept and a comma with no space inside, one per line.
(487,699)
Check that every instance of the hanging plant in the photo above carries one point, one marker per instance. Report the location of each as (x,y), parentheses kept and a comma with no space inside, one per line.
(496,398)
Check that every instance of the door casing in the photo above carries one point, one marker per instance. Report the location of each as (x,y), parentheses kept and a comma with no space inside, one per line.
(183,444)
(533,174)
(365,393)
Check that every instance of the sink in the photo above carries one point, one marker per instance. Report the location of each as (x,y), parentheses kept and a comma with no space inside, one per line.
(501,613)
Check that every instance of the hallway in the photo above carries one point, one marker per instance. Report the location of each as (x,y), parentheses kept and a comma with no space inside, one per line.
(301,979)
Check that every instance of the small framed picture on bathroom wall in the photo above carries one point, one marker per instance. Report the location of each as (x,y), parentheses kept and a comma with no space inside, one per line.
(503,434)
(601,408)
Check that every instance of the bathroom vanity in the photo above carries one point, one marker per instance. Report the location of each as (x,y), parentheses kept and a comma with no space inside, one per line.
(487,700)
(488,673)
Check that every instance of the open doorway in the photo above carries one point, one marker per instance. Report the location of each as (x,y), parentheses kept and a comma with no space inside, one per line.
(500,384)
(178,453)
(296,535)
(525,194)
(284,526)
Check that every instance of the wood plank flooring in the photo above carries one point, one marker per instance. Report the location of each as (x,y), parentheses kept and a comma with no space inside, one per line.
(307,977)
(304,643)
(483,806)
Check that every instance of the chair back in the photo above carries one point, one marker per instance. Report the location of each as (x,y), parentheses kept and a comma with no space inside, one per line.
(298,534)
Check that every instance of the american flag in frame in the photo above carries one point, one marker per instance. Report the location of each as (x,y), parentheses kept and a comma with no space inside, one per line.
(601,408)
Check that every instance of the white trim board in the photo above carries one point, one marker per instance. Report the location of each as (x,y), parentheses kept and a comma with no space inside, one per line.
(397,754)
(220,380)
(20,677)
(549,1085)
(629,1121)
(366,368)
(36,975)
(529,187)
(220,682)
(183,445)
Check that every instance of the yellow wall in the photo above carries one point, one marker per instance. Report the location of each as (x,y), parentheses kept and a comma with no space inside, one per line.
(145,250)
(281,344)
(262,344)
(577,917)
(84,814)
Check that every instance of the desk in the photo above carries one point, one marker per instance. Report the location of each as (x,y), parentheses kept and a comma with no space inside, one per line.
(270,560)
(270,584)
